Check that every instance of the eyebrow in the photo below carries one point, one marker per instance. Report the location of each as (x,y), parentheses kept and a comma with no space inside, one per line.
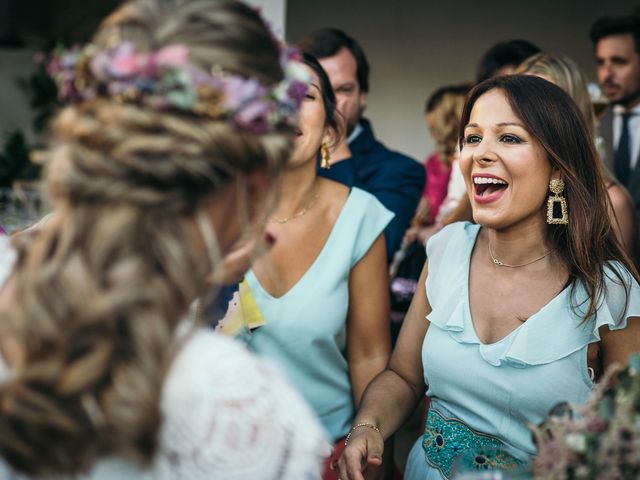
(501,124)
(317,86)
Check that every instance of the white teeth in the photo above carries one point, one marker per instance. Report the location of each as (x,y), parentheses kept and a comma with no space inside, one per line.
(487,180)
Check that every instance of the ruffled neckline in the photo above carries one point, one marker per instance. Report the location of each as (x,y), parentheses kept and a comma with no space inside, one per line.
(529,344)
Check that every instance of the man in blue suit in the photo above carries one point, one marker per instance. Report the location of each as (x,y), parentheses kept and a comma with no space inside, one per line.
(395,179)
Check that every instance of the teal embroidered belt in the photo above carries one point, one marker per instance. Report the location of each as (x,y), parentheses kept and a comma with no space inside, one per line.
(446,439)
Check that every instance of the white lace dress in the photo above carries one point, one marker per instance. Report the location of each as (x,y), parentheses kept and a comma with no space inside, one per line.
(227,415)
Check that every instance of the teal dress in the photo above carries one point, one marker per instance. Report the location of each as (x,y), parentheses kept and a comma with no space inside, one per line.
(485,396)
(306,327)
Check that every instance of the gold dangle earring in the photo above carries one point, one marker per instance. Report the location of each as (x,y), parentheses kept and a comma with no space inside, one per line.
(325,157)
(556,185)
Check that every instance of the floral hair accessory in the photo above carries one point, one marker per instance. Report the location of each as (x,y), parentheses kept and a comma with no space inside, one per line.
(165,80)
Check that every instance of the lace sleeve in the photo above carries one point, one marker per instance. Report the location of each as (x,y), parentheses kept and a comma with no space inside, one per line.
(229,415)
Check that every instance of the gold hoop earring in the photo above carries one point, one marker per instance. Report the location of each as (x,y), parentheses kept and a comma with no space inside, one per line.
(556,185)
(325,157)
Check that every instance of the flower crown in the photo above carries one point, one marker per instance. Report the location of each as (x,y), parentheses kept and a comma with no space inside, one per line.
(165,79)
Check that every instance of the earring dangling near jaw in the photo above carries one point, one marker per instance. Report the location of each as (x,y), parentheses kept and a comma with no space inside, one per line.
(325,157)
(556,185)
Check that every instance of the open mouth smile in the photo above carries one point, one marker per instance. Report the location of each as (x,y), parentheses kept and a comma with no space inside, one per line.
(488,188)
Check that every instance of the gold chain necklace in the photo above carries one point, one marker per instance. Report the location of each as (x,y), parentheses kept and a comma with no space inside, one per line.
(302,212)
(502,264)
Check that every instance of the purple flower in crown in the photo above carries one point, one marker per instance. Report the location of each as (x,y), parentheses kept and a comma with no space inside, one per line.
(254,116)
(69,59)
(297,90)
(100,65)
(238,91)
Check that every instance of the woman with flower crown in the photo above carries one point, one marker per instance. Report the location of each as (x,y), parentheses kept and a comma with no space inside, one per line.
(519,312)
(181,117)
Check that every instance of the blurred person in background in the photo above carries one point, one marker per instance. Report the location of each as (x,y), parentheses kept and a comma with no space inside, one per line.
(393,178)
(616,43)
(560,69)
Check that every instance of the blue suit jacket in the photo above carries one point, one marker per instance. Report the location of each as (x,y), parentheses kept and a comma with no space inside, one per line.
(393,178)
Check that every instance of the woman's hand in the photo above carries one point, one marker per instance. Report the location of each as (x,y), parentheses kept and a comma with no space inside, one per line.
(362,456)
(423,213)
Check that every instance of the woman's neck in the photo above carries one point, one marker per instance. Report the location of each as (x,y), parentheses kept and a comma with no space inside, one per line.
(297,188)
(519,244)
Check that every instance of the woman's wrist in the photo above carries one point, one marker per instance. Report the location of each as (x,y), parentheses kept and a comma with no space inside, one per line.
(359,425)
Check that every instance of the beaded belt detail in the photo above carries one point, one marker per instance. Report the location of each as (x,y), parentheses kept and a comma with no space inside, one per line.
(445,439)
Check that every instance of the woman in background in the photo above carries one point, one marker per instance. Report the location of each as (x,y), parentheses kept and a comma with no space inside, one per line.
(442,115)
(560,69)
(182,117)
(322,288)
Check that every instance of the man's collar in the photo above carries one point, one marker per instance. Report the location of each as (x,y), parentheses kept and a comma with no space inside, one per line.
(356,131)
(365,139)
(619,110)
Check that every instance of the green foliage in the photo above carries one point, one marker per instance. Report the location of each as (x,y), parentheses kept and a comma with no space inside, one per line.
(15,158)
(15,163)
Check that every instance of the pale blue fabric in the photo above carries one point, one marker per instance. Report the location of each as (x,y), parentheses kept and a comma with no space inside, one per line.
(306,327)
(502,388)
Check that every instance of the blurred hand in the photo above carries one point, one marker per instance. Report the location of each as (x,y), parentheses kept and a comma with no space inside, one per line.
(419,234)
(410,236)
(423,213)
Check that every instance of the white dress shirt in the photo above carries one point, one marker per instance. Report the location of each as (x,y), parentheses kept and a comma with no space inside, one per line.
(634,131)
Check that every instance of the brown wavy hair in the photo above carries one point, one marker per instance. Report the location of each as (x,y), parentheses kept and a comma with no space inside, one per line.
(100,288)
(588,243)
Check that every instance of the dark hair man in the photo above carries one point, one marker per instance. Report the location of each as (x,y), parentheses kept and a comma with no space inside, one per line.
(616,43)
(395,179)
(504,57)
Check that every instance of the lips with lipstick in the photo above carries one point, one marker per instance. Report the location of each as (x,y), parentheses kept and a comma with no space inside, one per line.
(488,188)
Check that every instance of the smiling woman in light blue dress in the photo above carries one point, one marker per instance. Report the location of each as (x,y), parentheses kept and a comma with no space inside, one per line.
(519,312)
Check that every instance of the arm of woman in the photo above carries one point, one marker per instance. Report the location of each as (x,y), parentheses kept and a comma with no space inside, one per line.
(368,332)
(617,345)
(392,395)
(623,219)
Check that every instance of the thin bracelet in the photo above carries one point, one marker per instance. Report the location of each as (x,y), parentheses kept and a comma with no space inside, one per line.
(355,427)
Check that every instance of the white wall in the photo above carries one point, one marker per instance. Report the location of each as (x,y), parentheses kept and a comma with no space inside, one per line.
(416,46)
(15,113)
(274,11)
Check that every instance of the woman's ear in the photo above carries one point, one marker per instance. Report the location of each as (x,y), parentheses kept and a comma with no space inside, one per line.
(329,138)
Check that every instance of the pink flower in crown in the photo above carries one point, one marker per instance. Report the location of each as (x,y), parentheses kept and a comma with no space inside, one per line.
(172,56)
(124,61)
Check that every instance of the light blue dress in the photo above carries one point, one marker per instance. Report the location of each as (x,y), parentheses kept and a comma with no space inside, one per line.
(306,327)
(502,388)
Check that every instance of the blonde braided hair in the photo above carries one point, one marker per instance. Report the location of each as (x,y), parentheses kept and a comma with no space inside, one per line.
(100,289)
